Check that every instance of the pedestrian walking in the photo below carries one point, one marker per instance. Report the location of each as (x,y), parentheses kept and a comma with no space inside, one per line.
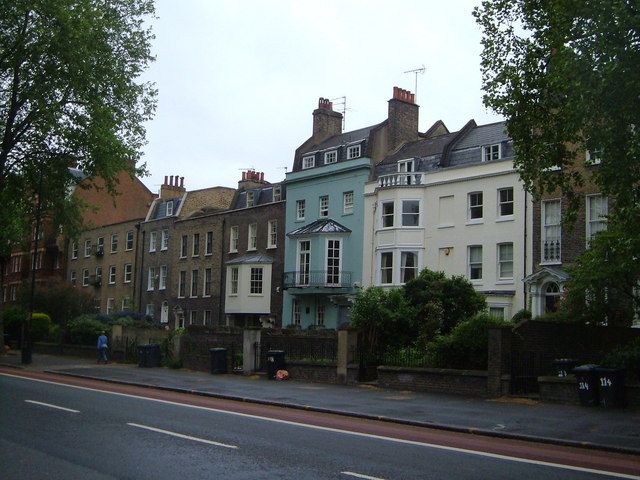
(102,347)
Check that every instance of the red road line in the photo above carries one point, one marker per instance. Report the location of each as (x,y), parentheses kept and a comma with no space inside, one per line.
(595,459)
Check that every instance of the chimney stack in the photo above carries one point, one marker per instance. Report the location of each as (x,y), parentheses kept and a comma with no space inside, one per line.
(251,179)
(326,122)
(402,119)
(172,188)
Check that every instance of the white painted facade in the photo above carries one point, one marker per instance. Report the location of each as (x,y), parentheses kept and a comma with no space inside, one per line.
(446,236)
(243,300)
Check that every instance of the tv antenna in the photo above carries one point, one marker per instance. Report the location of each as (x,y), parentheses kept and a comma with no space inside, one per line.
(342,108)
(417,71)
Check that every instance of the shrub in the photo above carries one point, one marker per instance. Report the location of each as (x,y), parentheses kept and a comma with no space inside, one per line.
(40,323)
(627,356)
(84,330)
(521,315)
(14,317)
(466,346)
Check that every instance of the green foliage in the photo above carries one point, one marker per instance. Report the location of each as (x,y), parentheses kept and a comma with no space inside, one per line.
(382,317)
(61,301)
(69,92)
(521,315)
(465,347)
(40,324)
(440,303)
(84,330)
(13,317)
(627,356)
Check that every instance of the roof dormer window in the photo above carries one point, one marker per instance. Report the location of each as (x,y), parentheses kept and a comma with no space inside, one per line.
(308,162)
(169,208)
(330,157)
(353,151)
(251,199)
(491,152)
(277,194)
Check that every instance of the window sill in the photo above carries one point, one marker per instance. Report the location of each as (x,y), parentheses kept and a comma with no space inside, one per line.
(233,251)
(129,249)
(206,296)
(208,254)
(255,295)
(232,295)
(195,256)
(164,249)
(346,214)
(508,218)
(446,225)
(555,262)
(251,249)
(182,257)
(476,282)
(148,289)
(475,222)
(505,281)
(272,247)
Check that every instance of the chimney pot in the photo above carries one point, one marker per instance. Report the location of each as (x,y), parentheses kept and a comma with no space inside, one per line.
(166,179)
(171,180)
(181,182)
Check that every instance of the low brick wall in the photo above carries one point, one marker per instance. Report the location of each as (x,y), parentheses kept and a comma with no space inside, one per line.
(84,351)
(463,382)
(565,391)
(309,371)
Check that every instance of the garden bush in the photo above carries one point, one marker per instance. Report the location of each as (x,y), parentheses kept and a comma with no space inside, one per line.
(627,356)
(521,315)
(466,346)
(84,330)
(13,318)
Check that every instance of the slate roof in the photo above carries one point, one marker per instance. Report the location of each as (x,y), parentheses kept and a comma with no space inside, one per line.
(320,227)
(253,258)
(342,139)
(420,148)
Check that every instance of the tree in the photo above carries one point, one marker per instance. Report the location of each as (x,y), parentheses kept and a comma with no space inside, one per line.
(564,73)
(70,94)
(440,303)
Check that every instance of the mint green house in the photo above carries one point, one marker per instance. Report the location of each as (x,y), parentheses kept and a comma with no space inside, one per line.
(324,217)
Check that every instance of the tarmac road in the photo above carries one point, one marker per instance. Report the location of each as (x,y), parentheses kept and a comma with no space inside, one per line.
(103,430)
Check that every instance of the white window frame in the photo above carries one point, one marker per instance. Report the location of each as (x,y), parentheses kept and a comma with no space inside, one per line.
(195,245)
(256,282)
(384,215)
(272,234)
(308,161)
(206,282)
(501,262)
(111,303)
(491,152)
(404,214)
(164,239)
(556,256)
(590,221)
(320,314)
(251,198)
(129,240)
(207,319)
(330,157)
(74,250)
(354,151)
(471,265)
(153,240)
(208,243)
(193,291)
(252,237)
(114,243)
(193,317)
(184,242)
(300,209)
(169,209)
(296,312)
(505,203)
(323,210)
(277,194)
(234,238)
(85,277)
(162,281)
(73,277)
(150,310)
(126,304)
(330,277)
(385,268)
(151,279)
(471,206)
(347,203)
(128,272)
(87,248)
(303,278)
(112,274)
(182,284)
(234,279)
(416,268)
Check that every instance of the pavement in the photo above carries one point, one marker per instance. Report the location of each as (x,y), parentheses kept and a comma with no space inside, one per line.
(616,430)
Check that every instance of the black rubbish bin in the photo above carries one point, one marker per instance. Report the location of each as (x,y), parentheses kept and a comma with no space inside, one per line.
(587,384)
(218,360)
(611,386)
(275,362)
(564,366)
(149,355)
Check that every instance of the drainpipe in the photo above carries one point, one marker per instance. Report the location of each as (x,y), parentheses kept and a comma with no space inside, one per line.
(222,275)
(141,266)
(525,249)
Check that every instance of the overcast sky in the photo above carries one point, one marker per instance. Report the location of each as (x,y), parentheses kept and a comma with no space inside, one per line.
(238,80)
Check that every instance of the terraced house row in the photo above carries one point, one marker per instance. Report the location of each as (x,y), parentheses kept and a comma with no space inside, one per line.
(372,206)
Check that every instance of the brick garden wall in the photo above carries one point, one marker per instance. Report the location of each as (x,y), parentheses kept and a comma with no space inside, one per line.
(463,382)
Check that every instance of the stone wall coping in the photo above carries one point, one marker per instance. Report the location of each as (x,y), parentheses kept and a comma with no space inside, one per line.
(311,363)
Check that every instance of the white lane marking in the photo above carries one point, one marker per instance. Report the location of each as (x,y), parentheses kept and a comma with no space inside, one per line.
(360,475)
(180,435)
(53,406)
(347,432)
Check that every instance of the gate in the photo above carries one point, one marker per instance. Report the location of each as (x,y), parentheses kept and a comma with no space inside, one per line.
(525,368)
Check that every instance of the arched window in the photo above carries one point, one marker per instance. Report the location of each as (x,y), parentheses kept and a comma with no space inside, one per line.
(551,297)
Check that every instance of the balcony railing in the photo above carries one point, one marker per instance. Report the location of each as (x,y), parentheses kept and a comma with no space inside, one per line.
(316,278)
(401,179)
(551,250)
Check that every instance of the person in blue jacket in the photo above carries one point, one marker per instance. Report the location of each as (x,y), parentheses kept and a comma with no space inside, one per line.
(102,348)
